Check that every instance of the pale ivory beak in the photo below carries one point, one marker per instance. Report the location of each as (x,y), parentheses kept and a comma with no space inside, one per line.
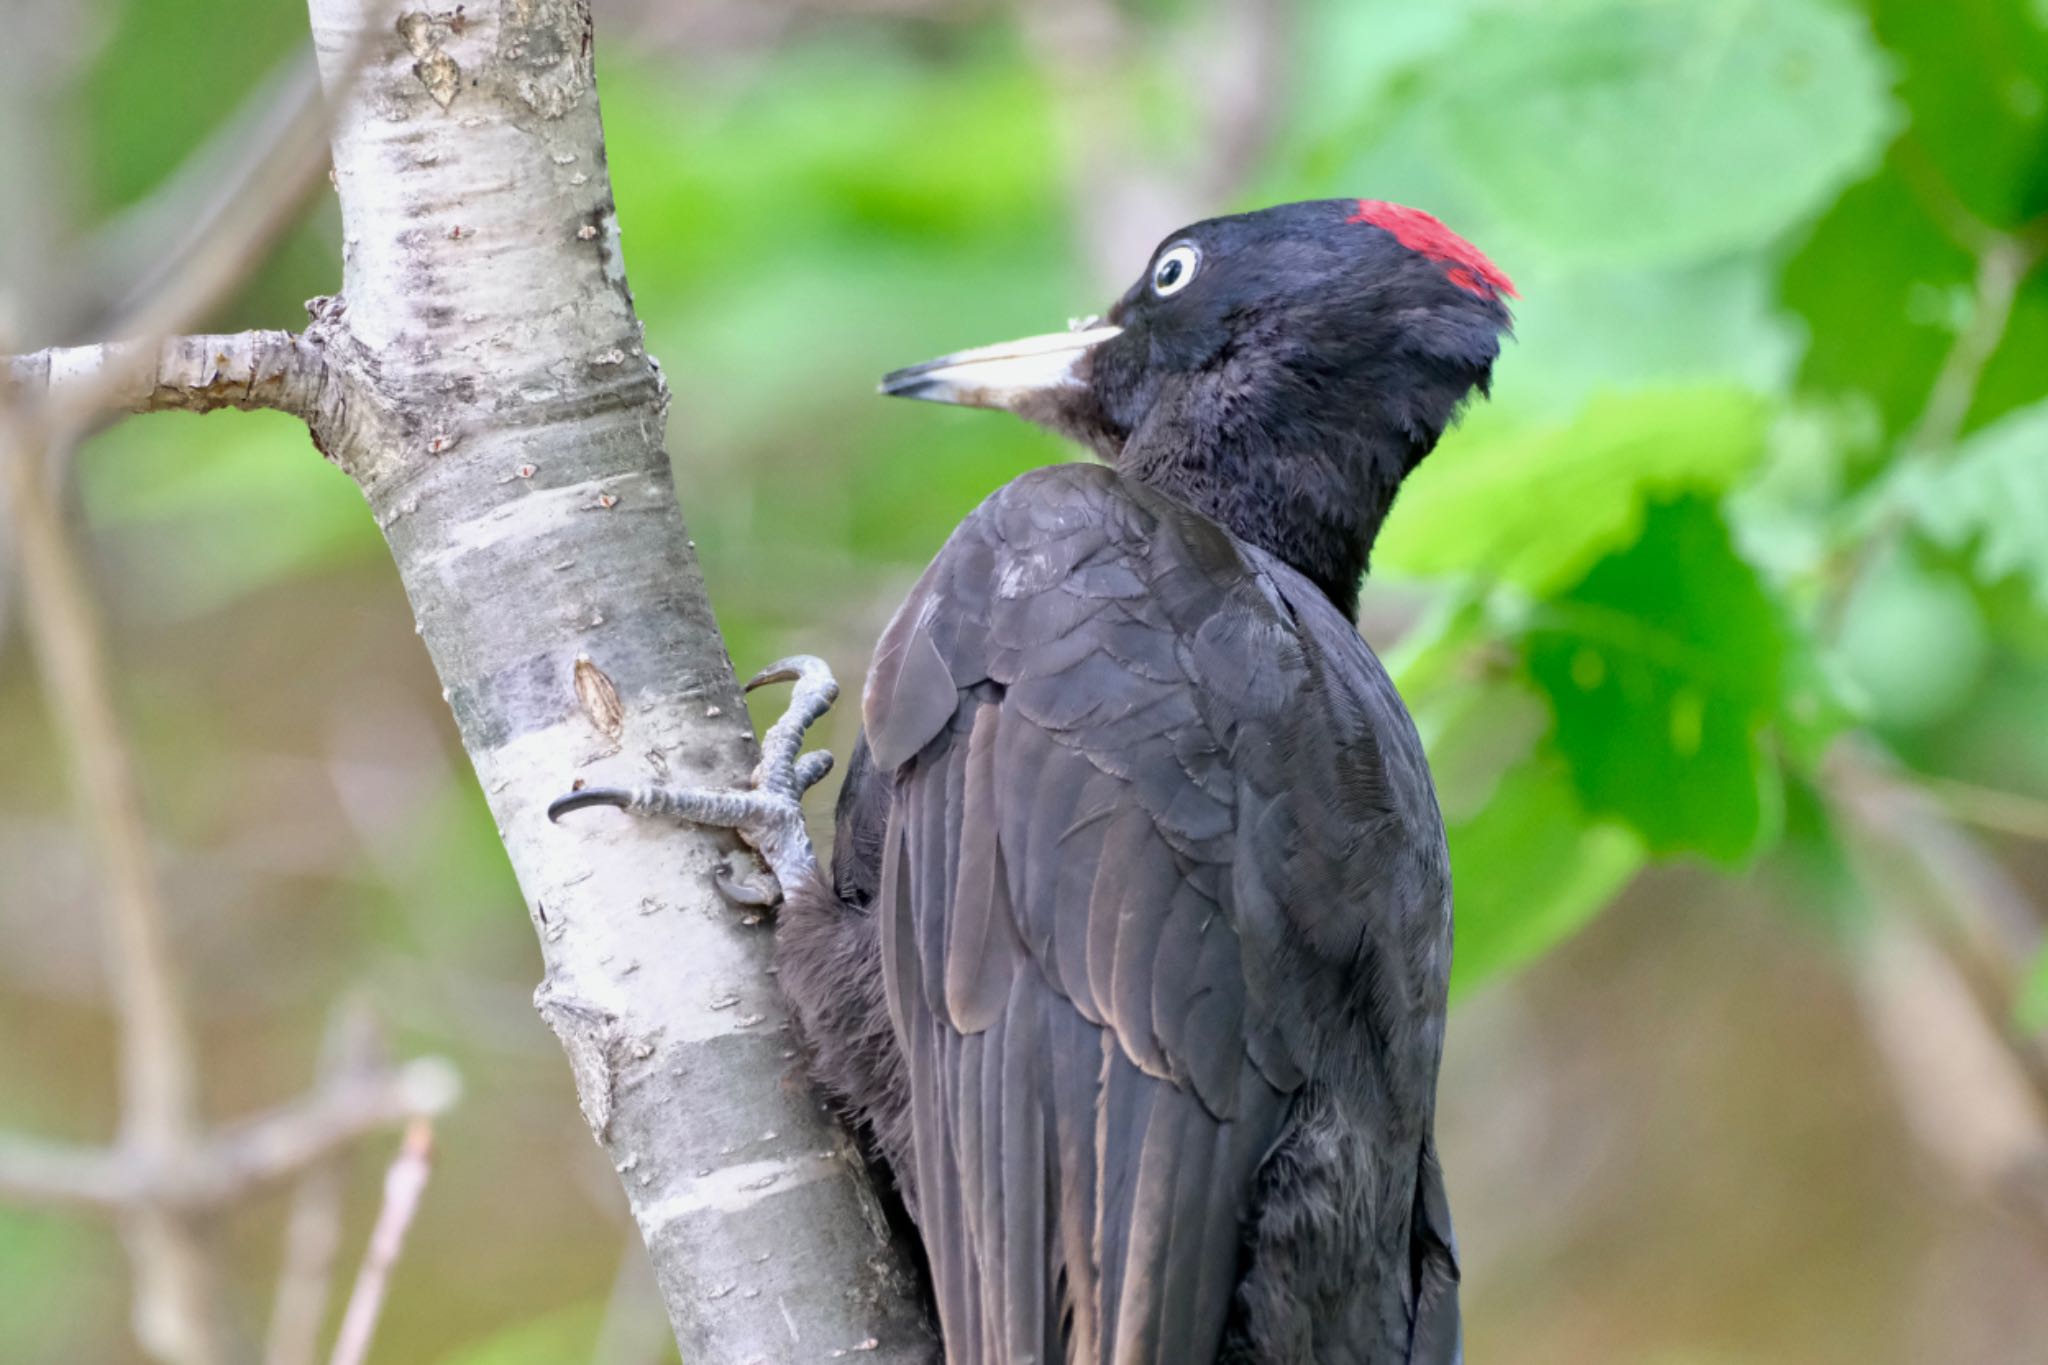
(1002,375)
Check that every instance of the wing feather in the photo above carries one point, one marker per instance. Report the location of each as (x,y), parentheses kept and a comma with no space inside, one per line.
(1097,876)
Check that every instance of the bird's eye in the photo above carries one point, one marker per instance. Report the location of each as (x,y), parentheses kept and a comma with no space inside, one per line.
(1175,268)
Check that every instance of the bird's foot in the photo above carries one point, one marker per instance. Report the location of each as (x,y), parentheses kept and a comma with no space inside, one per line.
(768,812)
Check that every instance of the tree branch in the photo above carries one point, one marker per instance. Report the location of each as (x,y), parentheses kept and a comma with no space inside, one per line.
(488,389)
(1940,979)
(248,370)
(2024,817)
(404,1183)
(235,1164)
(312,1235)
(2003,264)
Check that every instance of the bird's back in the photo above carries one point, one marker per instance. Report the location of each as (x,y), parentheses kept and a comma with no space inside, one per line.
(1163,920)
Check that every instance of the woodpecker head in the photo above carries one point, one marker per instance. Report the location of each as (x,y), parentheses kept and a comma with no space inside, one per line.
(1282,371)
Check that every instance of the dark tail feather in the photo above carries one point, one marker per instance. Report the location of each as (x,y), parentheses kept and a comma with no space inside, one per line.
(1438,1338)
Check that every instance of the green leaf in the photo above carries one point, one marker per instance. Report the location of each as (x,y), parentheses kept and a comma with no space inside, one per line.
(1530,869)
(1992,497)
(1590,329)
(1536,506)
(1642,131)
(1663,667)
(1528,866)
(1976,81)
(1884,291)
(1882,282)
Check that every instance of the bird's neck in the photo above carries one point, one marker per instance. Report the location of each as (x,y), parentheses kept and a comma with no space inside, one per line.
(1315,502)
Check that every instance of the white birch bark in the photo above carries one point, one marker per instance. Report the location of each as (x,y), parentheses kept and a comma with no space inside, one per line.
(484,381)
(481,375)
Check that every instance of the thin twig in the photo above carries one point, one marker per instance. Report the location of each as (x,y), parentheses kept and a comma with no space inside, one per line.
(288,161)
(285,166)
(403,1185)
(216,1172)
(1960,1088)
(2002,266)
(2004,262)
(1924,177)
(312,1237)
(1976,912)
(39,1174)
(1989,808)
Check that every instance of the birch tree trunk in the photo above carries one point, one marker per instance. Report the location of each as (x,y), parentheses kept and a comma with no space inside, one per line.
(481,375)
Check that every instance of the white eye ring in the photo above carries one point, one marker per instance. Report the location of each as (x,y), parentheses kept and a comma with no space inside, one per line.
(1175,269)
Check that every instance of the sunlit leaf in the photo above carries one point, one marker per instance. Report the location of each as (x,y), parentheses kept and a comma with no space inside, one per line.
(1582,330)
(1538,505)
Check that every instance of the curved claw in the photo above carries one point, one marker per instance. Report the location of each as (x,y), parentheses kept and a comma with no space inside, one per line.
(588,797)
(761,893)
(795,668)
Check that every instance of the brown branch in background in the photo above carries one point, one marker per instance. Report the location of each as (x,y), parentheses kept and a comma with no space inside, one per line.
(242,217)
(1241,67)
(1961,1094)
(164,1179)
(1943,967)
(1974,908)
(1940,976)
(178,1312)
(404,1183)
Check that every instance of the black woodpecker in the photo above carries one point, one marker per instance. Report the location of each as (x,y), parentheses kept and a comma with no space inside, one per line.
(1130,963)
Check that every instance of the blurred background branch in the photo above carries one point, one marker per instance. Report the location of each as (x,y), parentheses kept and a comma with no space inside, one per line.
(166,1180)
(179,1315)
(403,1185)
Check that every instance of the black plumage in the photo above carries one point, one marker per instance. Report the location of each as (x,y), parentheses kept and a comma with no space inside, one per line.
(1132,962)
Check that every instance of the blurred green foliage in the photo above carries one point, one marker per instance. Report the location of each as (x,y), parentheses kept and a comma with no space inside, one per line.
(1686,534)
(1709,520)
